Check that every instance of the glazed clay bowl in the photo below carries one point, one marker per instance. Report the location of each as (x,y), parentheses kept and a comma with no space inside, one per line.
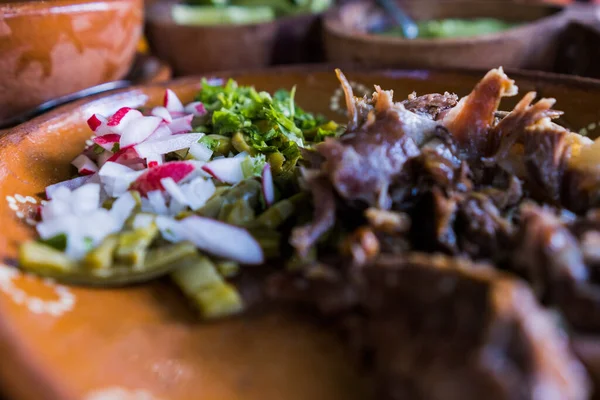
(532,45)
(66,343)
(197,49)
(52,48)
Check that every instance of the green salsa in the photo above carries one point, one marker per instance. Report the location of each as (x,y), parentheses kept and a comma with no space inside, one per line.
(232,12)
(455,28)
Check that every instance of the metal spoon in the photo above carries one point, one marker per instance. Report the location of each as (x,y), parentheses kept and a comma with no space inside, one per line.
(410,30)
(59,101)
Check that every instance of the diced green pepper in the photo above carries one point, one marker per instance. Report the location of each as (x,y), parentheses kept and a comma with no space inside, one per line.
(133,245)
(39,257)
(102,256)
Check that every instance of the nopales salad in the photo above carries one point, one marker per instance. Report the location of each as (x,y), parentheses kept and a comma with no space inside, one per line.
(192,190)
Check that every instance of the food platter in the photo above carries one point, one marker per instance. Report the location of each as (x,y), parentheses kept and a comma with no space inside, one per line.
(64,342)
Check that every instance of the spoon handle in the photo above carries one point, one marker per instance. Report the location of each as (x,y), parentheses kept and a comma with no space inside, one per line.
(59,101)
(408,26)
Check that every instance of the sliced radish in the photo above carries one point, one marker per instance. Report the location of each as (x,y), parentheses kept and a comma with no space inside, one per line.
(197,192)
(167,144)
(228,170)
(200,152)
(103,158)
(161,132)
(107,142)
(163,113)
(71,184)
(138,130)
(99,125)
(84,165)
(196,108)
(181,124)
(172,102)
(268,188)
(150,179)
(122,118)
(222,239)
(126,155)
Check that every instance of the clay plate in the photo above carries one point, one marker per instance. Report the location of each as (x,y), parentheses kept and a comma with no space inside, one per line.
(74,343)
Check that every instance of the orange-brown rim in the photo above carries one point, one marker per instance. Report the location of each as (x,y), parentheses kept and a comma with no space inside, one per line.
(20,376)
(18,8)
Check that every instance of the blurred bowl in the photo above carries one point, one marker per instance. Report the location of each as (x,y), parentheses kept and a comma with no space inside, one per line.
(532,45)
(195,49)
(52,48)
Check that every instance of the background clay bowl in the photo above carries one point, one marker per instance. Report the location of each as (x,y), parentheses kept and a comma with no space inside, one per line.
(51,48)
(76,343)
(196,49)
(530,46)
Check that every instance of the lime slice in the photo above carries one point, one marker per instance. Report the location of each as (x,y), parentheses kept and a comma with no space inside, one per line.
(209,15)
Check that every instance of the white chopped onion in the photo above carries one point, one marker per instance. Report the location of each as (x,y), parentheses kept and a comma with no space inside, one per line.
(157,202)
(200,151)
(117,178)
(71,184)
(143,221)
(169,229)
(197,192)
(173,190)
(122,208)
(221,239)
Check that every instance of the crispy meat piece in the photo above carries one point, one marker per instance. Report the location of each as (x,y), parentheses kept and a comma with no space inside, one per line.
(361,164)
(470,121)
(432,105)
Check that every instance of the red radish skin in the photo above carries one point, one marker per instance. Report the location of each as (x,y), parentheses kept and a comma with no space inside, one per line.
(94,122)
(107,142)
(125,156)
(150,179)
(138,130)
(163,113)
(118,116)
(85,172)
(181,125)
(172,102)
(153,164)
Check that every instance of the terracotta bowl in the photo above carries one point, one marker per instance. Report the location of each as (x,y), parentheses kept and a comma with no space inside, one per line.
(68,343)
(196,49)
(532,45)
(52,48)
